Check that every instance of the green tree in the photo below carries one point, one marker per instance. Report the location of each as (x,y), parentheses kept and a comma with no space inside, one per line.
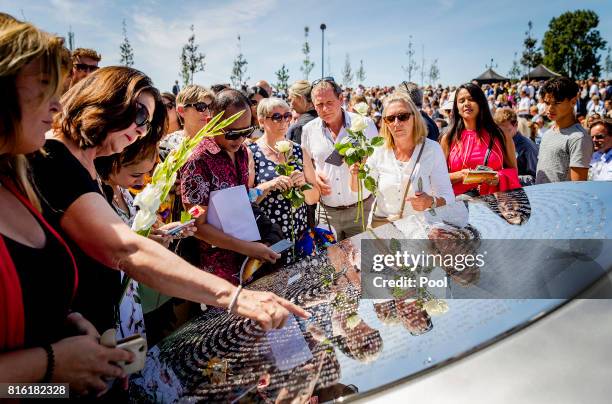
(282,77)
(572,43)
(347,72)
(608,64)
(434,72)
(125,49)
(532,56)
(412,66)
(70,39)
(360,74)
(307,64)
(192,61)
(515,70)
(238,76)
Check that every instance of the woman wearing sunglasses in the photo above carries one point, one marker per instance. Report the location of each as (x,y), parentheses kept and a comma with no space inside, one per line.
(408,165)
(174,123)
(40,338)
(101,116)
(274,116)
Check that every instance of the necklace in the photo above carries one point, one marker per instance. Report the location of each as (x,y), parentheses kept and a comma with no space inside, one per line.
(272,149)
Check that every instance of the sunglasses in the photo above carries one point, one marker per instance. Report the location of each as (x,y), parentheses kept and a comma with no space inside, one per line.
(403,117)
(142,115)
(238,133)
(278,117)
(199,106)
(84,67)
(253,102)
(599,137)
(328,79)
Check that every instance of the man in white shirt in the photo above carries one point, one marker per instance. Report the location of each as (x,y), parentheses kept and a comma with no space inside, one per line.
(333,177)
(601,163)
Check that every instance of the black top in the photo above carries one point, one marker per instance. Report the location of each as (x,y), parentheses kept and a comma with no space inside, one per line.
(61,180)
(294,133)
(46,277)
(526,158)
(432,129)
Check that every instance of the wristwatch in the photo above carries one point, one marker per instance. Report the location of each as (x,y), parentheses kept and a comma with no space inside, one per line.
(433,204)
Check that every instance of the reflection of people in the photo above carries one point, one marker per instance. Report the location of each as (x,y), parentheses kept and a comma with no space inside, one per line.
(413,316)
(445,240)
(512,206)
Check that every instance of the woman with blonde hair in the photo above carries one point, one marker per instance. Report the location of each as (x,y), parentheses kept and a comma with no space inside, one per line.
(40,339)
(410,169)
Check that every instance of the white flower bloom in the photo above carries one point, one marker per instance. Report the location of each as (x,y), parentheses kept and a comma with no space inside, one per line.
(144,220)
(361,108)
(435,307)
(358,123)
(149,199)
(283,146)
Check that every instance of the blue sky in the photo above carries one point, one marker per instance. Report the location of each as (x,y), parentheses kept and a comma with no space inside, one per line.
(462,35)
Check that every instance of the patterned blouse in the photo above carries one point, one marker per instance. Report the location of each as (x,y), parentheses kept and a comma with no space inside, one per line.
(209,169)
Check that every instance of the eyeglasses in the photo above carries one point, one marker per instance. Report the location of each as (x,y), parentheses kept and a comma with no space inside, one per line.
(328,79)
(403,117)
(142,115)
(84,67)
(238,133)
(199,106)
(170,105)
(278,117)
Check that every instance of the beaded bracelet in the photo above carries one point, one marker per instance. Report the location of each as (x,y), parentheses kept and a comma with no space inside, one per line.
(50,363)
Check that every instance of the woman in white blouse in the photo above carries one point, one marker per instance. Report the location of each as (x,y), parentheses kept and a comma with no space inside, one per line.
(406,155)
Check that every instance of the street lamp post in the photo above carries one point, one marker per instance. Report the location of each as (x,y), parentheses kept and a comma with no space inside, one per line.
(323,27)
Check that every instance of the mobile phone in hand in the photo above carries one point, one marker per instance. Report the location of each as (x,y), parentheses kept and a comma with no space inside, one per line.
(177,229)
(281,246)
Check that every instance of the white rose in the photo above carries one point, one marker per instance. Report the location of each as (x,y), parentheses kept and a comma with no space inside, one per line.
(361,108)
(144,220)
(283,146)
(358,123)
(149,199)
(435,307)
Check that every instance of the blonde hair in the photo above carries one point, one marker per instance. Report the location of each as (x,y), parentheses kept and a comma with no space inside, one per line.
(193,93)
(505,115)
(21,43)
(265,106)
(87,53)
(419,130)
(301,88)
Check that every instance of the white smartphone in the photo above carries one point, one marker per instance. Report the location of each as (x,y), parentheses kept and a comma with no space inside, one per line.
(138,345)
(177,229)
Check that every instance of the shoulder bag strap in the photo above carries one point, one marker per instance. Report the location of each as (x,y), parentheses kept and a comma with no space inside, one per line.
(401,212)
(486,159)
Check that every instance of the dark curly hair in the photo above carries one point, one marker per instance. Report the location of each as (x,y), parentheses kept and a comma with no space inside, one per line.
(561,88)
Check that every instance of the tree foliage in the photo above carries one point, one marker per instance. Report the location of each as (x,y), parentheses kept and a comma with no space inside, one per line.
(282,77)
(360,74)
(70,39)
(192,61)
(532,55)
(125,49)
(347,72)
(515,70)
(307,64)
(412,66)
(434,72)
(238,76)
(572,43)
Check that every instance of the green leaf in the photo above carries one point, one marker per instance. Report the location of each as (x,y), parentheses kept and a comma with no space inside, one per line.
(350,151)
(370,184)
(394,245)
(377,141)
(306,187)
(185,216)
(370,150)
(361,175)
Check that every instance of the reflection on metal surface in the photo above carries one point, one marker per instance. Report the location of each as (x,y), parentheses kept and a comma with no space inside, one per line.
(354,345)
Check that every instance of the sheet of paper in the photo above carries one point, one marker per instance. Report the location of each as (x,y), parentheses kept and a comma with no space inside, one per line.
(229,210)
(288,345)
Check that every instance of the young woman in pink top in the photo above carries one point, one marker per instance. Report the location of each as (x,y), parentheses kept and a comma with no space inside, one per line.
(466,144)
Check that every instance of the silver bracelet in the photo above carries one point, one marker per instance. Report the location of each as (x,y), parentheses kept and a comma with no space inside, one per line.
(234,300)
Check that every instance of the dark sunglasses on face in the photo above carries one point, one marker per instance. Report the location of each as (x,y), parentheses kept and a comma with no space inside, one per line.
(277,116)
(83,67)
(142,115)
(199,106)
(403,117)
(238,133)
(253,102)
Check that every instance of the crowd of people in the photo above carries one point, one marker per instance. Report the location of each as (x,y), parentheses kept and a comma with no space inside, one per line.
(78,141)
